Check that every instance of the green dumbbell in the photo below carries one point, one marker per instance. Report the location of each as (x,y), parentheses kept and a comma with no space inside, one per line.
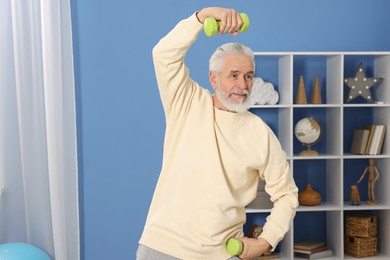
(234,246)
(211,26)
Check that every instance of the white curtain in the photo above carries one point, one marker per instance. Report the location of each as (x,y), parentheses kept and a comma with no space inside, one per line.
(38,157)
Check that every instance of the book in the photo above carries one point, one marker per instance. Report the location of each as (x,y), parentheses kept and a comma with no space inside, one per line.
(322,254)
(359,141)
(375,139)
(369,127)
(308,245)
(379,150)
(311,251)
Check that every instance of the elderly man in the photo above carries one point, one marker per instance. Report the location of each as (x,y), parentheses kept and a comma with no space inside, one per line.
(215,151)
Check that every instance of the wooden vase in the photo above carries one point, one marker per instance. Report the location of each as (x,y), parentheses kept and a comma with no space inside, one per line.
(309,197)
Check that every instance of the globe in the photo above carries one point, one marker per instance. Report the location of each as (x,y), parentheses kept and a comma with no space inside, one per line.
(308,131)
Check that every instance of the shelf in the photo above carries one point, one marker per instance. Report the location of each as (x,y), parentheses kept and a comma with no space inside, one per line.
(335,169)
(319,157)
(269,106)
(325,258)
(366,156)
(363,206)
(366,105)
(324,206)
(377,257)
(316,106)
(249,210)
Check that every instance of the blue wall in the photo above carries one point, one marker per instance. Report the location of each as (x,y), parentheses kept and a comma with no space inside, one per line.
(119,114)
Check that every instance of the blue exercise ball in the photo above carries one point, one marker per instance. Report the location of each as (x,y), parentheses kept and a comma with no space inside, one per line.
(21,251)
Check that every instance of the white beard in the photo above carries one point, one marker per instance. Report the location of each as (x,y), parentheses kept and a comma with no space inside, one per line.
(223,97)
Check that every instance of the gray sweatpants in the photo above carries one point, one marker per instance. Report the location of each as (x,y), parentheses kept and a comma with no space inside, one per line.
(146,253)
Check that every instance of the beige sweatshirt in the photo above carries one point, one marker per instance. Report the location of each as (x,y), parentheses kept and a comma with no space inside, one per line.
(212,163)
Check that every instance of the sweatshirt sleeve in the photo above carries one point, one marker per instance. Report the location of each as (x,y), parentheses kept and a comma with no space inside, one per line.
(172,76)
(281,187)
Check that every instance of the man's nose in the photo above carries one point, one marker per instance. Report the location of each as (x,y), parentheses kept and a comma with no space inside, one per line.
(243,84)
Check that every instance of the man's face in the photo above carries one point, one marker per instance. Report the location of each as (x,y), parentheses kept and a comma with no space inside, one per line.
(233,85)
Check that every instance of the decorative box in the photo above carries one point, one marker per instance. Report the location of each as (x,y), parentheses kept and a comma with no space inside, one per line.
(360,246)
(361,226)
(262,201)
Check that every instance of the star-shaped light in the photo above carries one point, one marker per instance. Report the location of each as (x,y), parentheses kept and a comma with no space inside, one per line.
(360,85)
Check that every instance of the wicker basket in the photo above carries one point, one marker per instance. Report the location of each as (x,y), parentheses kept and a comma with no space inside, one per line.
(361,226)
(360,246)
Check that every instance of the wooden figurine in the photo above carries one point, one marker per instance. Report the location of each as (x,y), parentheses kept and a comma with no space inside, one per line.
(355,195)
(254,232)
(372,178)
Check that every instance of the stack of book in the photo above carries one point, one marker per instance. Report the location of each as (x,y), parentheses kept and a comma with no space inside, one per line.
(311,250)
(369,140)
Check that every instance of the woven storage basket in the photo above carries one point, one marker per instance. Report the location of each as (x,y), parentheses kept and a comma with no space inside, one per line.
(360,246)
(361,226)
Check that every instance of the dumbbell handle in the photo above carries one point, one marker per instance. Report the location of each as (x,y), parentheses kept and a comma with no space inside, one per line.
(211,26)
(234,246)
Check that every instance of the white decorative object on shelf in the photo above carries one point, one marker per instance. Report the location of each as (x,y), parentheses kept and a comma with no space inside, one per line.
(263,93)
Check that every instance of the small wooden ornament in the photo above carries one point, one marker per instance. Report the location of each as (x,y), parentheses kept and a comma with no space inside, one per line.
(254,232)
(355,195)
(316,93)
(301,93)
(309,197)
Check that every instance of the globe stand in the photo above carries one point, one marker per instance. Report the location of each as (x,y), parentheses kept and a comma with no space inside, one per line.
(309,152)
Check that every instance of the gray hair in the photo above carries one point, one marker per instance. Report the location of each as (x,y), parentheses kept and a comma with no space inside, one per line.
(216,61)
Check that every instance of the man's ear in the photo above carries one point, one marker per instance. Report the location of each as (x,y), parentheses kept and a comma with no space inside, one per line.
(213,79)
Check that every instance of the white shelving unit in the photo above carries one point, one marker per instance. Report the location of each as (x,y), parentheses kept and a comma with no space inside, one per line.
(335,169)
